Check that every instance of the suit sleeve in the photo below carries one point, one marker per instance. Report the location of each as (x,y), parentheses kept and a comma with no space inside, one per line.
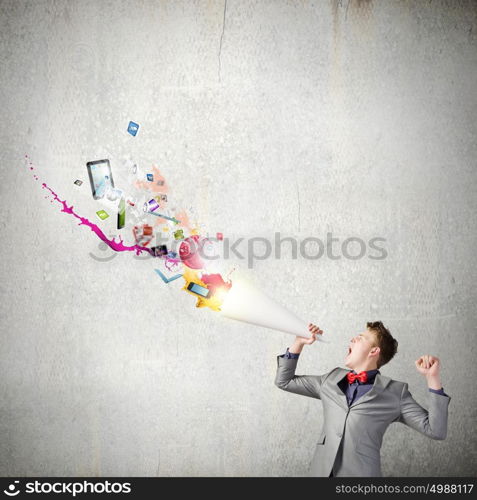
(305,385)
(433,422)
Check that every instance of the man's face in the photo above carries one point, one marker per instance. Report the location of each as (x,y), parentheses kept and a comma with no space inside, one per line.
(359,349)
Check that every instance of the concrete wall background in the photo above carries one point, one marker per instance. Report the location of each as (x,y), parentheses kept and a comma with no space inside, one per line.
(302,117)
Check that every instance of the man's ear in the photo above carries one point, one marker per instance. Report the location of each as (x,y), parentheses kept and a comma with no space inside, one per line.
(375,351)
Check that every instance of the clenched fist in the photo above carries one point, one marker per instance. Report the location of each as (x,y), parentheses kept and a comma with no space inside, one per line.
(428,365)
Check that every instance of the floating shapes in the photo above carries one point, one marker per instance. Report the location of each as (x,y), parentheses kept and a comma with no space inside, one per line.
(192,250)
(142,234)
(150,177)
(113,194)
(171,261)
(100,177)
(133,128)
(160,250)
(150,205)
(179,234)
(219,236)
(165,278)
(78,182)
(102,214)
(191,276)
(173,219)
(199,290)
(121,214)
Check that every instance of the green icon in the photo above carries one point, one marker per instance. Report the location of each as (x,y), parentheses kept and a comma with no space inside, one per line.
(179,234)
(102,214)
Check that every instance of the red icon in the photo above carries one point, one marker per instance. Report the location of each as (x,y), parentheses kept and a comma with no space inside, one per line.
(143,235)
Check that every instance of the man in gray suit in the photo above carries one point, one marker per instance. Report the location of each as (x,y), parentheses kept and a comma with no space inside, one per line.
(359,404)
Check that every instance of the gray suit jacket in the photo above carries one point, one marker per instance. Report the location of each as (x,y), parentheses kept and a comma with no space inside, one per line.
(350,442)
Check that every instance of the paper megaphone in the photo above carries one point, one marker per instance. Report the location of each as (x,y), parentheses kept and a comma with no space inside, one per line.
(244,302)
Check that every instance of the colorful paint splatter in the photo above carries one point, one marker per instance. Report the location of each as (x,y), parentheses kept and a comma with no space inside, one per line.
(191,263)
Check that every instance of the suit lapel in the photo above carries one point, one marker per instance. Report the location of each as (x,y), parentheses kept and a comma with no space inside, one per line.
(341,396)
(380,383)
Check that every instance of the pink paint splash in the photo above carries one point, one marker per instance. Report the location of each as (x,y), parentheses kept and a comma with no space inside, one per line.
(117,246)
(171,263)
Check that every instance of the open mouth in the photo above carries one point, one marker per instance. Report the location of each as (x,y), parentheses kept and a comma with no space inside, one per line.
(349,351)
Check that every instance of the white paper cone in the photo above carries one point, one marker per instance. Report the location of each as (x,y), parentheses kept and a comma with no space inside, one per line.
(244,302)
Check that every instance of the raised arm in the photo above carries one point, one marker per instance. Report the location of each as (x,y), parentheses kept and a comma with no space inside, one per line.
(305,385)
(433,422)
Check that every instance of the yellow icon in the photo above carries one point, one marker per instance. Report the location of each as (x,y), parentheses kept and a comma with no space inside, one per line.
(191,276)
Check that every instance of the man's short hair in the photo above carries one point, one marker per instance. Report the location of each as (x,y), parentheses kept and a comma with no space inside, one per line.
(385,341)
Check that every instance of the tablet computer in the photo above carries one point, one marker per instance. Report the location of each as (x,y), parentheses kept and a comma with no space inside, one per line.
(100,177)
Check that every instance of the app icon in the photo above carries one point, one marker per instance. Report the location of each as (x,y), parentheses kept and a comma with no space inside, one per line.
(179,234)
(159,251)
(133,128)
(102,214)
(151,205)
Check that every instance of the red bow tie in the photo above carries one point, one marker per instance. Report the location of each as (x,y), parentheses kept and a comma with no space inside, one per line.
(361,376)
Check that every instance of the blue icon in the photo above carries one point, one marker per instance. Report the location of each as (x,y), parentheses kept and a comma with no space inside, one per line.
(162,216)
(150,177)
(165,278)
(133,128)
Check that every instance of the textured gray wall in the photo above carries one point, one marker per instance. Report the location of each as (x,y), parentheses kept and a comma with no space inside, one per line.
(302,117)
